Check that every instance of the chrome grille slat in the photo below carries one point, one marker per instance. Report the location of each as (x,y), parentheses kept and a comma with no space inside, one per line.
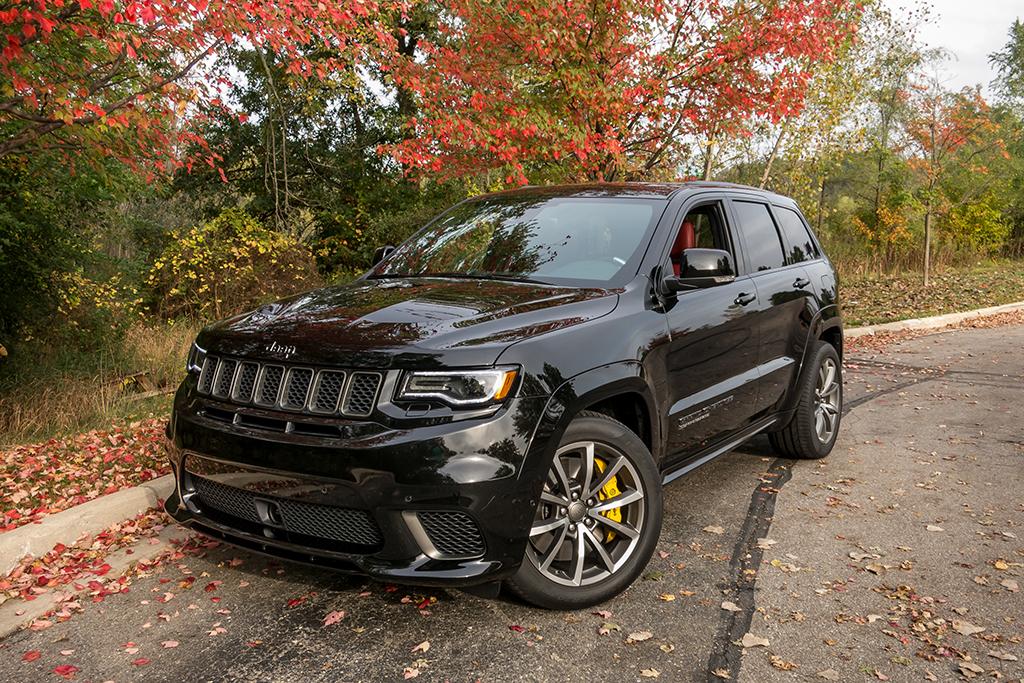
(350,393)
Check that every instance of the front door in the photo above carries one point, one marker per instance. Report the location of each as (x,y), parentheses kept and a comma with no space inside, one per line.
(711,360)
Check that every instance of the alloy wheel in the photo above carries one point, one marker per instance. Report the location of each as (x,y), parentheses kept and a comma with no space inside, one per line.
(590,517)
(827,400)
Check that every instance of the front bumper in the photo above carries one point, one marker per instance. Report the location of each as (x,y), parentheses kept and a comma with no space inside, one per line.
(360,503)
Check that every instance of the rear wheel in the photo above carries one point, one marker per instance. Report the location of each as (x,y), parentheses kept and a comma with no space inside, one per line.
(813,430)
(598,518)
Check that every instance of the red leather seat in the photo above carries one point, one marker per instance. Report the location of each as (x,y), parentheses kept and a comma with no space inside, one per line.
(686,239)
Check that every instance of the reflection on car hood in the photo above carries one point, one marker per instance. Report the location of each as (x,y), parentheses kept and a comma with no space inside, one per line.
(405,322)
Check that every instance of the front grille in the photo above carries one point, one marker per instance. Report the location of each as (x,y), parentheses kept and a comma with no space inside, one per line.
(453,533)
(299,389)
(346,525)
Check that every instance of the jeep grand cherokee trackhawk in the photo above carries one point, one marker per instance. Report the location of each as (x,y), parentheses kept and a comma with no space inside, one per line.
(503,396)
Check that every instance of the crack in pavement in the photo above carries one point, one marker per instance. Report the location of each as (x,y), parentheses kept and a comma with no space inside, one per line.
(744,565)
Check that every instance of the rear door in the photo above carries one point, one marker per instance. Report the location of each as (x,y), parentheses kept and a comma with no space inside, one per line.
(711,356)
(784,294)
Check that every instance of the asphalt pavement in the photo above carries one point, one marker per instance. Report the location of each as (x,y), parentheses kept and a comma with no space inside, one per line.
(899,557)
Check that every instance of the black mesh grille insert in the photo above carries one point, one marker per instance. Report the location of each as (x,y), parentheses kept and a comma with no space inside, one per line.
(270,385)
(325,521)
(224,378)
(228,499)
(206,377)
(346,525)
(246,381)
(328,390)
(452,533)
(295,394)
(362,393)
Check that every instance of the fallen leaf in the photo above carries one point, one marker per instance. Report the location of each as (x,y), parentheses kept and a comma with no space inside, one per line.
(31,656)
(333,618)
(714,530)
(667,647)
(731,606)
(781,664)
(721,673)
(934,528)
(422,647)
(1010,585)
(667,597)
(170,643)
(750,640)
(650,673)
(141,661)
(970,669)
(65,670)
(607,627)
(638,637)
(1005,656)
(966,628)
(410,672)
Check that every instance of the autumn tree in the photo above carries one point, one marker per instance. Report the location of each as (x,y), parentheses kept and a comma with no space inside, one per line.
(950,132)
(120,78)
(605,89)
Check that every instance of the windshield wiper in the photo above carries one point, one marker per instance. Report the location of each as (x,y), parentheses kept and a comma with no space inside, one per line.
(470,276)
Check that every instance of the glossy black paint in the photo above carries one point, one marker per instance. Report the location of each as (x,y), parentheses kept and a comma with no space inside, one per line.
(690,370)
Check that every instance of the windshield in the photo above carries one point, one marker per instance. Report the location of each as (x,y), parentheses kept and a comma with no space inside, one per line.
(583,241)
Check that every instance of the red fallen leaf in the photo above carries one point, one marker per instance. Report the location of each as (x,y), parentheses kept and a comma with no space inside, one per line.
(425,603)
(295,602)
(66,670)
(212,586)
(170,643)
(141,661)
(31,656)
(102,569)
(517,628)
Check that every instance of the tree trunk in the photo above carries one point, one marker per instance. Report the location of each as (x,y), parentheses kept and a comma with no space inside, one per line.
(927,242)
(771,158)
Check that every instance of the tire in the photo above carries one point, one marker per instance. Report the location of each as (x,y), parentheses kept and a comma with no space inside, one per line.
(551,576)
(802,438)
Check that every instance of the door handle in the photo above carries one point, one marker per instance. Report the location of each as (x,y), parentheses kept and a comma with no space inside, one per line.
(801,282)
(743,299)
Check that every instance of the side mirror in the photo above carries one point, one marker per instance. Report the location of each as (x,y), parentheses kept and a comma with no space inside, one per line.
(381,254)
(700,268)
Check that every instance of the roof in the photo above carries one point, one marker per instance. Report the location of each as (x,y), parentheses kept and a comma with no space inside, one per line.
(639,190)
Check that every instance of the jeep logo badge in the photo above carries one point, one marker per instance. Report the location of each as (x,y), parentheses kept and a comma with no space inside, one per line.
(286,351)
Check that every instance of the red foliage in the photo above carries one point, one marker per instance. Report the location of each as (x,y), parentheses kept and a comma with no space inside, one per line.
(44,478)
(614,87)
(119,78)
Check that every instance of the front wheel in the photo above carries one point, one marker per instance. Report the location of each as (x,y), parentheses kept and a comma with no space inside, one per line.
(598,519)
(813,430)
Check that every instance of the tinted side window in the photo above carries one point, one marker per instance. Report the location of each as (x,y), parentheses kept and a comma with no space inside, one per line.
(764,250)
(801,246)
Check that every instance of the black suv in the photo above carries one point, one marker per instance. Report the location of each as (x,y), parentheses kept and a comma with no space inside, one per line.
(503,396)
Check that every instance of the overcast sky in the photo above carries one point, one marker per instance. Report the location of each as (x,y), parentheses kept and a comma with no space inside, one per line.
(970,30)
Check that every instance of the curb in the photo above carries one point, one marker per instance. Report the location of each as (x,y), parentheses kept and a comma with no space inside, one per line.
(69,525)
(931,323)
(15,614)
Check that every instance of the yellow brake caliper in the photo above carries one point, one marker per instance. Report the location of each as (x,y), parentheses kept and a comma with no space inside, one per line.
(610,490)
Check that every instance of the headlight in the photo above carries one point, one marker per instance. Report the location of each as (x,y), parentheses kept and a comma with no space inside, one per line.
(196,358)
(462,388)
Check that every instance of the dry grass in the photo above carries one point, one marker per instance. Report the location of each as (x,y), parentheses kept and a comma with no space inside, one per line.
(132,381)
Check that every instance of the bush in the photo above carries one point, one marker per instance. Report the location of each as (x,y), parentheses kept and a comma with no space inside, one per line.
(227,265)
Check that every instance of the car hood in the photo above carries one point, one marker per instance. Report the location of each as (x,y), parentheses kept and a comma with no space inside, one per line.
(414,322)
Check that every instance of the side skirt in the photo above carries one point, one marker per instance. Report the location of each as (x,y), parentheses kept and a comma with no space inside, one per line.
(717,450)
